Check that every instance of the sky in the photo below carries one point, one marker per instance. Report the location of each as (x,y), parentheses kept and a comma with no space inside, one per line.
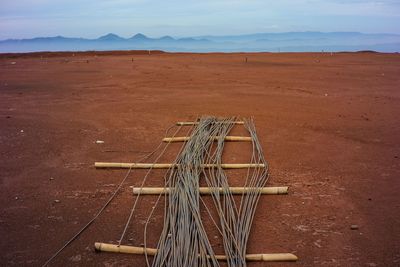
(181,18)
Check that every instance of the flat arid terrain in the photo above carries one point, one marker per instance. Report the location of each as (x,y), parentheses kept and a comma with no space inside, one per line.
(328,123)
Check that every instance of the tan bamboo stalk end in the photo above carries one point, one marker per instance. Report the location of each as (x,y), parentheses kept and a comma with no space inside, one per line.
(124,249)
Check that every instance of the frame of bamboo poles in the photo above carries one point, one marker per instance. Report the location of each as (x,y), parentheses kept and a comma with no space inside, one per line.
(271,257)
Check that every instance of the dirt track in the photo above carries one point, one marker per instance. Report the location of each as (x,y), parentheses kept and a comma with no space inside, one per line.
(329,125)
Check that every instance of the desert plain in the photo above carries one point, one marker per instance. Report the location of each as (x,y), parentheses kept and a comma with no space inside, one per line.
(328,122)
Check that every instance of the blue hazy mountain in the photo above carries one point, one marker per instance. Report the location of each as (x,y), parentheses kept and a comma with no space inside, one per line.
(111,37)
(139,37)
(258,42)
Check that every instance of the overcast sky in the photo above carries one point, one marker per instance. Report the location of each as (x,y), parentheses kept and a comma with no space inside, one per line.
(92,18)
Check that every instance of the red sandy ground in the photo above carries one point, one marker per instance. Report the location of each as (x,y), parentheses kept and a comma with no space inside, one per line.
(329,126)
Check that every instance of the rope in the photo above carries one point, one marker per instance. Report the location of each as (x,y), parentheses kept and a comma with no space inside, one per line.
(141,186)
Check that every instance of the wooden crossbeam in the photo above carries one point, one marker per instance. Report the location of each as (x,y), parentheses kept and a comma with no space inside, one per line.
(152,251)
(169,165)
(279,190)
(188,123)
(227,138)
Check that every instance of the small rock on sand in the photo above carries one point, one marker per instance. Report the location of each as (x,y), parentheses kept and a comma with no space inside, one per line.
(76,258)
(354,227)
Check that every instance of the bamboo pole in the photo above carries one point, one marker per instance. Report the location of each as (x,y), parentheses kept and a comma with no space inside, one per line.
(227,138)
(133,165)
(152,251)
(169,165)
(281,190)
(124,249)
(186,123)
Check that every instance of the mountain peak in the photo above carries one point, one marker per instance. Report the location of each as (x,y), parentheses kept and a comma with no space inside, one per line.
(110,36)
(167,38)
(139,36)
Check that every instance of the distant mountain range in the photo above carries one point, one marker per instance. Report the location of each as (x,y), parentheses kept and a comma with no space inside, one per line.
(259,42)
